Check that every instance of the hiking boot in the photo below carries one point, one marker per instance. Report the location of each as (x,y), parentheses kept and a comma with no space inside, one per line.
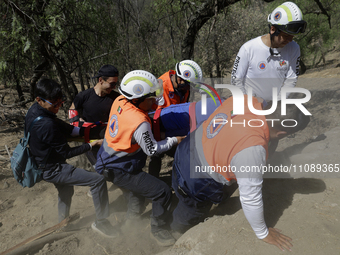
(105,228)
(163,237)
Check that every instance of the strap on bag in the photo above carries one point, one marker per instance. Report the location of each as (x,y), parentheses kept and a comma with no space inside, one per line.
(156,124)
(31,126)
(42,165)
(192,115)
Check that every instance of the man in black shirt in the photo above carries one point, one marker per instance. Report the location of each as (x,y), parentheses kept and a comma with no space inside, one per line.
(94,104)
(50,149)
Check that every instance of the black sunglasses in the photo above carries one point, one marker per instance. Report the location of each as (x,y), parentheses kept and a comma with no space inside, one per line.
(294,27)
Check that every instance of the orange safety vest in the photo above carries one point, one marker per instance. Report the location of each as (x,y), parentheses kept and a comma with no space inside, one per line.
(218,141)
(123,122)
(170,97)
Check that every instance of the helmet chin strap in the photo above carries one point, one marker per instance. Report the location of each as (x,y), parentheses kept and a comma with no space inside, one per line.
(138,102)
(177,90)
(276,33)
(176,80)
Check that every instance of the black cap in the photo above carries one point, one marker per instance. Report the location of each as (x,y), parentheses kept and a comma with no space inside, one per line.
(108,71)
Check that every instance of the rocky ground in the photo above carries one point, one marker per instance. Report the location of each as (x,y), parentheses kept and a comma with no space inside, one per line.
(305,207)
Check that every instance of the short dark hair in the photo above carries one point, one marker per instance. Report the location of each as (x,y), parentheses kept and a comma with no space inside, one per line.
(48,89)
(293,115)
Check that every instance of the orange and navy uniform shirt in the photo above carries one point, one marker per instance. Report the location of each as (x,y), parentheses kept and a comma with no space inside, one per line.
(123,122)
(170,96)
(222,143)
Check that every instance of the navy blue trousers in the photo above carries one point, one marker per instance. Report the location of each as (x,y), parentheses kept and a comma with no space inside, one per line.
(196,192)
(188,211)
(65,177)
(142,185)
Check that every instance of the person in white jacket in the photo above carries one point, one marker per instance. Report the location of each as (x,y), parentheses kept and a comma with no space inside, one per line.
(272,60)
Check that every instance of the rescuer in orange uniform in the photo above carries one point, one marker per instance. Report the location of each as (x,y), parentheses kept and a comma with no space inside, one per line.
(127,143)
(214,159)
(176,86)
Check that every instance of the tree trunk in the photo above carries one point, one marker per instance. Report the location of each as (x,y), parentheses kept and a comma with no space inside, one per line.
(81,80)
(87,79)
(197,20)
(217,59)
(61,73)
(37,73)
(17,81)
(19,90)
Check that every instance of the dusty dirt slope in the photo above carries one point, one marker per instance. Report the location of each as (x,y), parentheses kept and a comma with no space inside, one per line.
(306,209)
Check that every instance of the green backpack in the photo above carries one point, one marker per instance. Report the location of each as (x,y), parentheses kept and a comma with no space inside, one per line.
(24,167)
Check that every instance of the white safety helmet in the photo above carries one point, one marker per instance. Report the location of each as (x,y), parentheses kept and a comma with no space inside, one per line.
(139,83)
(189,71)
(288,18)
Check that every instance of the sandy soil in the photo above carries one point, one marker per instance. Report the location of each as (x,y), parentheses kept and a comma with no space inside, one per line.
(306,209)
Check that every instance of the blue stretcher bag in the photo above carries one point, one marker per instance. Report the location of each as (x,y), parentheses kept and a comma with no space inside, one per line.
(24,167)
